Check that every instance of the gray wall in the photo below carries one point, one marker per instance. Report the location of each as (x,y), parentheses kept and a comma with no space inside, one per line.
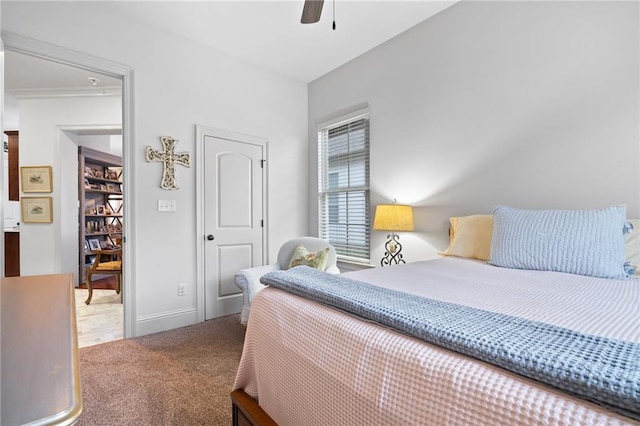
(532,105)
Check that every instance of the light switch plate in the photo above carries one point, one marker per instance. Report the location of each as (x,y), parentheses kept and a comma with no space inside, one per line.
(166,205)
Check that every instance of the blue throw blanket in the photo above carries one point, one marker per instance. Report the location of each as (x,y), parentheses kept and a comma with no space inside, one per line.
(605,371)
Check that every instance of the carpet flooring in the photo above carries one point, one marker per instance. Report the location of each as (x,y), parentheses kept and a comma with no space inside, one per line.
(178,377)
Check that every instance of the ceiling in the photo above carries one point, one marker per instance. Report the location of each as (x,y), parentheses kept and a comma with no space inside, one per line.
(269,33)
(266,33)
(27,76)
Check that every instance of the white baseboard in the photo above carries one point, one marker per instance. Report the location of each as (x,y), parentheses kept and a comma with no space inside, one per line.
(165,321)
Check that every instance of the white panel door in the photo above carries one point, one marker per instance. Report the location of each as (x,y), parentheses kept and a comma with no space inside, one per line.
(233,222)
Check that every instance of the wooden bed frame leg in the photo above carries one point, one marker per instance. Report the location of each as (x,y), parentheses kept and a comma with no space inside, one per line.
(247,412)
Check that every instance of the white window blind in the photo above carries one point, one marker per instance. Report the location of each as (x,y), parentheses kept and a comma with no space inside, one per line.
(343,187)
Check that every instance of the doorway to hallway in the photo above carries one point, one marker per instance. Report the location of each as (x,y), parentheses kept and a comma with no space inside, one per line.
(49,247)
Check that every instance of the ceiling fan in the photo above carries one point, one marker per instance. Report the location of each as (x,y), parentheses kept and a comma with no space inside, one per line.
(312,11)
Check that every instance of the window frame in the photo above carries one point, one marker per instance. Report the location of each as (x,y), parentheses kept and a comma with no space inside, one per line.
(355,253)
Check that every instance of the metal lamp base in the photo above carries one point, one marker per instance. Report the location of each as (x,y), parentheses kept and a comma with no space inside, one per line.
(393,248)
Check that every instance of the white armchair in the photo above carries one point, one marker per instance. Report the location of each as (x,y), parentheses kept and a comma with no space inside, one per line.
(249,279)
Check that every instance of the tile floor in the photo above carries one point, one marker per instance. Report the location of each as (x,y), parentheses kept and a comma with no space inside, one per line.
(101,321)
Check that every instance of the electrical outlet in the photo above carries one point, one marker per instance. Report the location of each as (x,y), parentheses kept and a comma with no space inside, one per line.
(182,289)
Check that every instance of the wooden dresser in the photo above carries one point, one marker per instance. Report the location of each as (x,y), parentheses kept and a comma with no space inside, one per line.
(40,368)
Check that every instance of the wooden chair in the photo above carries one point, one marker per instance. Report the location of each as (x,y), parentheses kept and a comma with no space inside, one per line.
(102,266)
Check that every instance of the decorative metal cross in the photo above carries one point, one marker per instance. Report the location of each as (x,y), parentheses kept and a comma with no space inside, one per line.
(169,158)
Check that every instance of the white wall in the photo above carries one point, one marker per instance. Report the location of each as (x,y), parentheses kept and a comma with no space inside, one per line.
(109,143)
(533,105)
(67,243)
(179,84)
(52,248)
(11,209)
(10,121)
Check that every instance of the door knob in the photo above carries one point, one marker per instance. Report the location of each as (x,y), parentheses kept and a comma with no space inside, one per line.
(210,237)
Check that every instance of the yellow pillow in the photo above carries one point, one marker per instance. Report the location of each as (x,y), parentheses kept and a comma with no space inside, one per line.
(470,236)
(632,246)
(302,256)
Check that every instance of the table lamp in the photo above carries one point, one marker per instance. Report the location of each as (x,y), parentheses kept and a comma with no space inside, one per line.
(393,217)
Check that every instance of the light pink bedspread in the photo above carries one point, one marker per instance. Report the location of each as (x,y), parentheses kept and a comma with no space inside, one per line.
(308,364)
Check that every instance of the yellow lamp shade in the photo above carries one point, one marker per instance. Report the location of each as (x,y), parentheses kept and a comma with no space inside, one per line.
(393,217)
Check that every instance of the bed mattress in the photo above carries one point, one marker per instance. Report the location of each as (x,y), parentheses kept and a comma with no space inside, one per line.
(309,364)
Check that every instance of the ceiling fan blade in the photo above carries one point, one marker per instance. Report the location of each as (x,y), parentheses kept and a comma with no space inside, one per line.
(311,11)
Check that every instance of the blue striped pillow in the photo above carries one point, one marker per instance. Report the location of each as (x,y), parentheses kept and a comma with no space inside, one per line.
(583,242)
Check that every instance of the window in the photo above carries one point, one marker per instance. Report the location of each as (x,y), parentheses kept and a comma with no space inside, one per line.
(343,186)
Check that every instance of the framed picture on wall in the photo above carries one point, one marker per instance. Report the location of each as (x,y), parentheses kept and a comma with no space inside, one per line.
(36,179)
(36,209)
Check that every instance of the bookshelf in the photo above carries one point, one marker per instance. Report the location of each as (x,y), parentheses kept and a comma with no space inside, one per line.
(100,196)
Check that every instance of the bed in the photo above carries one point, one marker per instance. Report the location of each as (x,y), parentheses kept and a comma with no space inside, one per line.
(315,359)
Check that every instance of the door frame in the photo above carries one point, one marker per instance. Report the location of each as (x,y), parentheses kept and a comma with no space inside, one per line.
(201,133)
(66,56)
